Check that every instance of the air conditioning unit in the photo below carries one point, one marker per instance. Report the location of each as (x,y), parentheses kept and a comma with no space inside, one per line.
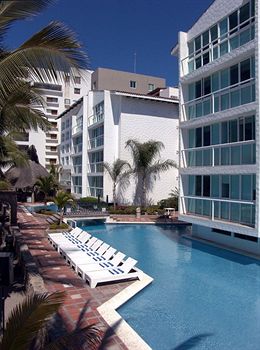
(6,269)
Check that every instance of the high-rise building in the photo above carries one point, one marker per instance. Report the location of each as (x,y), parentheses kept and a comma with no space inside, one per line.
(95,129)
(219,124)
(58,96)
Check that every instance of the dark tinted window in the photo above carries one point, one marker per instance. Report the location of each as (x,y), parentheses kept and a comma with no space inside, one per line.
(234,74)
(207,86)
(198,137)
(233,20)
(224,132)
(245,70)
(198,89)
(206,186)
(214,32)
(233,131)
(225,186)
(198,185)
(206,136)
(244,13)
(198,43)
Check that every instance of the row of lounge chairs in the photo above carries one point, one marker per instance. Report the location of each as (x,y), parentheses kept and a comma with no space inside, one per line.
(93,260)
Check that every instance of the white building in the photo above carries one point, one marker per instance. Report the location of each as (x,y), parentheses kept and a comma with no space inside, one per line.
(58,97)
(219,124)
(95,130)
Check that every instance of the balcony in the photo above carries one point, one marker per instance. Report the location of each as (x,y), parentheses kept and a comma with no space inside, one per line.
(77,149)
(77,129)
(96,142)
(95,167)
(95,119)
(221,100)
(236,153)
(225,43)
(234,211)
(95,191)
(76,170)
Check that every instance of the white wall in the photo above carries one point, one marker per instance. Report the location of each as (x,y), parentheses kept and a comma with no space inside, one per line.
(144,120)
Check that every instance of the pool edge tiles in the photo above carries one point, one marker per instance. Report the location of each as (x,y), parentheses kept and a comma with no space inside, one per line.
(124,331)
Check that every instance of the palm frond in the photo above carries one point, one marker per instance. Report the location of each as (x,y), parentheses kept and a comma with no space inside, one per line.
(28,318)
(47,56)
(159,167)
(10,154)
(13,10)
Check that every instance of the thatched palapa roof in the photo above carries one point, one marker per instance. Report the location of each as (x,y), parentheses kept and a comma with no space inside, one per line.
(26,176)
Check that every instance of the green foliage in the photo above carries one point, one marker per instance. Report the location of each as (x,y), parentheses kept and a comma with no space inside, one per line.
(172,201)
(4,185)
(62,199)
(146,165)
(91,200)
(26,326)
(46,185)
(45,212)
(61,226)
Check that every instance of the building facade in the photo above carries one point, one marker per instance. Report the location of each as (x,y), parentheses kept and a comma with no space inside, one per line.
(109,79)
(95,130)
(219,124)
(57,96)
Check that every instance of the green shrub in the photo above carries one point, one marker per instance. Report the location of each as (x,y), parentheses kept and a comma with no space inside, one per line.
(57,226)
(4,185)
(88,200)
(45,212)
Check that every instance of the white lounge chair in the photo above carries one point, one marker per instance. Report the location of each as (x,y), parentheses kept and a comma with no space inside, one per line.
(83,269)
(73,244)
(124,272)
(75,258)
(56,238)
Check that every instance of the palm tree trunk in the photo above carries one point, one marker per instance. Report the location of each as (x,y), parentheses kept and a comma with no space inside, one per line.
(61,216)
(143,194)
(114,195)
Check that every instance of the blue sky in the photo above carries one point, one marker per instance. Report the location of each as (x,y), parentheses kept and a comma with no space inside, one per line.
(113,30)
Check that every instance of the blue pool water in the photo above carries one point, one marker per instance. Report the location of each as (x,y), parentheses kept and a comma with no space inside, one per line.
(202,297)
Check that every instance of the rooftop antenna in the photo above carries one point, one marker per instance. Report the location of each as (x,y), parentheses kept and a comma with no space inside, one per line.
(134,62)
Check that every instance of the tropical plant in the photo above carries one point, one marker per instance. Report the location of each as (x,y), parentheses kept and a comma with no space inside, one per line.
(119,171)
(146,167)
(62,199)
(10,154)
(47,185)
(32,154)
(55,171)
(48,55)
(26,326)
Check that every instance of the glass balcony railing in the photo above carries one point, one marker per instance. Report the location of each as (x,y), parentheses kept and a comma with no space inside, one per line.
(95,167)
(77,169)
(221,100)
(95,191)
(239,212)
(225,43)
(76,129)
(236,153)
(96,142)
(77,148)
(94,119)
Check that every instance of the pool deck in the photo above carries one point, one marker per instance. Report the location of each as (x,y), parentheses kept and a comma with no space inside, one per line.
(102,301)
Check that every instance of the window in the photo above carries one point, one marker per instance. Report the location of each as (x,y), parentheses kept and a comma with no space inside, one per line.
(52,111)
(206,186)
(150,87)
(233,22)
(67,78)
(77,80)
(214,33)
(198,89)
(206,136)
(52,99)
(77,91)
(234,74)
(67,101)
(244,13)
(245,70)
(225,186)
(207,86)
(198,43)
(53,137)
(132,84)
(198,185)
(198,137)
(53,149)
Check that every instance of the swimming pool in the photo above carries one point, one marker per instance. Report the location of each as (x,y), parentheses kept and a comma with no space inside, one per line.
(202,297)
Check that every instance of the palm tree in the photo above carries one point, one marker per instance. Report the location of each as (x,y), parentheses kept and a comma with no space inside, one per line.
(10,154)
(46,185)
(145,165)
(25,326)
(119,172)
(55,171)
(62,199)
(48,55)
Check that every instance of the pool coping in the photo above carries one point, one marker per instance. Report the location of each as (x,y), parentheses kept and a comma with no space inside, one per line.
(123,330)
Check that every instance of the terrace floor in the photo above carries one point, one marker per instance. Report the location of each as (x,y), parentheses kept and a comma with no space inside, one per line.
(58,276)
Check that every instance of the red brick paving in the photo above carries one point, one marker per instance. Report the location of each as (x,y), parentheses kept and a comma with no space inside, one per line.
(58,276)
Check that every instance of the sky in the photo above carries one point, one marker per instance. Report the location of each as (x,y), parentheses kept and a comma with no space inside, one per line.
(112,31)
